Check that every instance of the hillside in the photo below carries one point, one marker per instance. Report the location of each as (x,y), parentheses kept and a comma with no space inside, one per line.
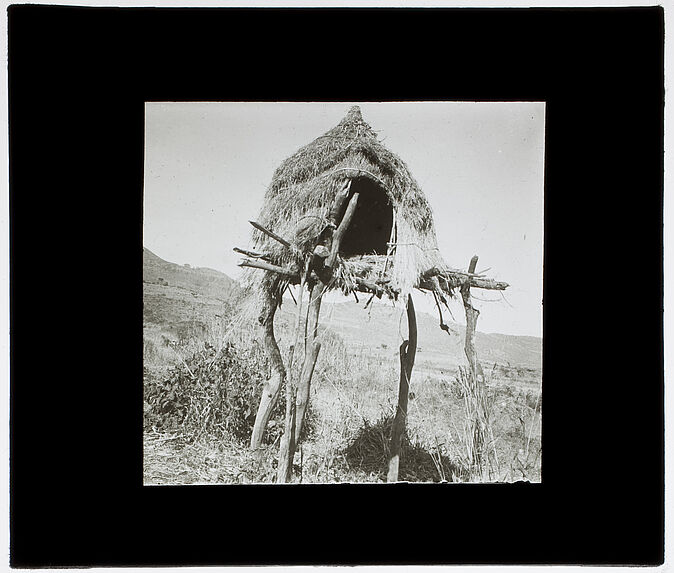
(188,311)
(181,304)
(177,296)
(202,281)
(380,329)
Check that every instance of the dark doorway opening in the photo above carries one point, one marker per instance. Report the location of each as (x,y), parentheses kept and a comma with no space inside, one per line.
(370,229)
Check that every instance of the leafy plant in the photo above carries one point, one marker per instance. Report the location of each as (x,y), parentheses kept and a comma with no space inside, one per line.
(212,391)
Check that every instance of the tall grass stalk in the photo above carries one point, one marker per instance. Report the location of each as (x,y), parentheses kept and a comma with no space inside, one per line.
(477,436)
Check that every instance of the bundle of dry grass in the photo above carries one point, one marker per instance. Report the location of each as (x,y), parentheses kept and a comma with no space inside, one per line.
(302,191)
(369,451)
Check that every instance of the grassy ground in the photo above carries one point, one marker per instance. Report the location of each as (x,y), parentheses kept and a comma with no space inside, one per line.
(352,404)
(353,398)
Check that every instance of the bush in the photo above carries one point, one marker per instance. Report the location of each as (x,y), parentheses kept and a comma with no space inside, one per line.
(212,392)
(216,393)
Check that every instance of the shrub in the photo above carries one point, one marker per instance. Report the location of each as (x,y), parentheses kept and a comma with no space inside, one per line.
(216,393)
(213,392)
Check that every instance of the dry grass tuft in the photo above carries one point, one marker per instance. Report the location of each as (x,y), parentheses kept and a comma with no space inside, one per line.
(478,455)
(369,453)
(175,460)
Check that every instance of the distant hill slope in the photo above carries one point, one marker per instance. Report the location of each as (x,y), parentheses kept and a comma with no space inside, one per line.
(175,295)
(381,329)
(203,281)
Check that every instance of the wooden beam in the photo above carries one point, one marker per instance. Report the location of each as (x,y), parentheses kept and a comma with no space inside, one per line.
(459,278)
(362,284)
(289,273)
(271,234)
(369,287)
(488,284)
(276,237)
(252,254)
(455,279)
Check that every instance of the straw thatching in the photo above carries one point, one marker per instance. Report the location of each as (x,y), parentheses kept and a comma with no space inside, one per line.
(302,191)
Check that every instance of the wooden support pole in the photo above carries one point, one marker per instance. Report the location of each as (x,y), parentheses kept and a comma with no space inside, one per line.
(289,438)
(341,230)
(304,386)
(272,387)
(287,448)
(323,247)
(270,392)
(471,324)
(312,348)
(408,351)
(339,203)
(477,419)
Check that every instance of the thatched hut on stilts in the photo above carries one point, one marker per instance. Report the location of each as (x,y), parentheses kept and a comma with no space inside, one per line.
(344,213)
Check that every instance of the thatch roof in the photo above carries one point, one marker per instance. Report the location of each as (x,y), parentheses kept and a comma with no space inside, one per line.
(302,190)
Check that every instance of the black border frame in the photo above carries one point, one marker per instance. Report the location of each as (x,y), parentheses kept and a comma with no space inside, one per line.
(78,79)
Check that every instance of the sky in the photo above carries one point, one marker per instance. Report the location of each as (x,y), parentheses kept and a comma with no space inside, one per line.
(480,164)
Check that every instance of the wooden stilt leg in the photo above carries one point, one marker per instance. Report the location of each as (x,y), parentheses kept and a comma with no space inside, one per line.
(408,351)
(287,449)
(476,390)
(289,438)
(270,391)
(471,326)
(312,348)
(311,355)
(297,403)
